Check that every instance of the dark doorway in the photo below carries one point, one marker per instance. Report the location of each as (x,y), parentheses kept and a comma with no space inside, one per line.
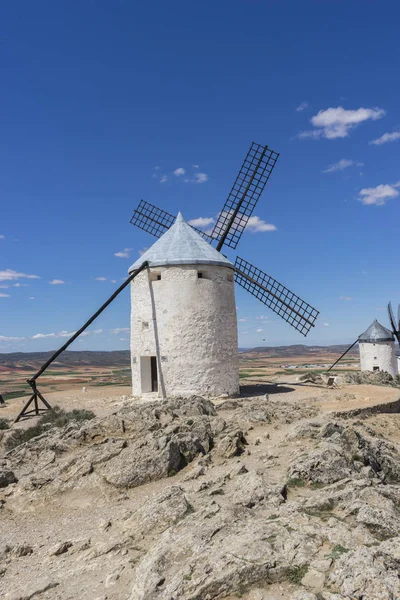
(154,377)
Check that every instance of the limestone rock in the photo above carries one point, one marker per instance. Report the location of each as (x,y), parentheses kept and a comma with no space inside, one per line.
(7,477)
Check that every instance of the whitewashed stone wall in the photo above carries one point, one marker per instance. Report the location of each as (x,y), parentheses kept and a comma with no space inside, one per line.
(378,354)
(193,323)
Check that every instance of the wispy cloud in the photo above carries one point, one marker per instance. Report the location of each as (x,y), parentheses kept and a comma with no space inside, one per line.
(256,225)
(56,282)
(339,166)
(302,106)
(18,285)
(179,172)
(32,298)
(125,253)
(195,166)
(163,178)
(201,221)
(101,278)
(4,295)
(259,330)
(337,122)
(386,137)
(10,275)
(346,298)
(379,195)
(64,334)
(200,178)
(2,237)
(119,330)
(325,324)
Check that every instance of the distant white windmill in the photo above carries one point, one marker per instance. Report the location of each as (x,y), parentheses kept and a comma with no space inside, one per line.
(378,350)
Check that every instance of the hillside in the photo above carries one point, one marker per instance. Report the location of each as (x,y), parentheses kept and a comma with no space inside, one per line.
(32,360)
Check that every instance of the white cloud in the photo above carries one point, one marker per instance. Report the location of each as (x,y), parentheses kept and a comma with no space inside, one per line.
(124,339)
(387,137)
(2,237)
(195,166)
(200,178)
(163,178)
(20,284)
(4,295)
(379,194)
(255,225)
(5,338)
(113,280)
(201,221)
(259,330)
(339,166)
(178,172)
(101,278)
(32,298)
(57,282)
(325,324)
(63,334)
(242,320)
(302,106)
(337,122)
(10,275)
(39,336)
(125,253)
(346,298)
(120,330)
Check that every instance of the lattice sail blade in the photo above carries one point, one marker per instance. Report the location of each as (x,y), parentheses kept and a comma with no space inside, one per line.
(298,313)
(395,329)
(243,197)
(152,219)
(157,221)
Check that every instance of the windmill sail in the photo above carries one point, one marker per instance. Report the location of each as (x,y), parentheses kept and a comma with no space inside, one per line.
(396,330)
(157,221)
(243,197)
(298,313)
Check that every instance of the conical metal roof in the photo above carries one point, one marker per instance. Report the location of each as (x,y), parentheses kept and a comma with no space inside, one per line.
(376,333)
(181,245)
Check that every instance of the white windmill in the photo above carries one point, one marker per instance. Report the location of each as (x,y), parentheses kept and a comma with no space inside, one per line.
(183,324)
(378,350)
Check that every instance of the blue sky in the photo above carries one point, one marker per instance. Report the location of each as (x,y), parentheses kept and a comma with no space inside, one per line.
(97,94)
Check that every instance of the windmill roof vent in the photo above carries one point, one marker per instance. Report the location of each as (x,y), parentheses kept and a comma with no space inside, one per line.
(181,245)
(376,333)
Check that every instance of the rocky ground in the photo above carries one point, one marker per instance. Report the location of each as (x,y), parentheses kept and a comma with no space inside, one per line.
(259,498)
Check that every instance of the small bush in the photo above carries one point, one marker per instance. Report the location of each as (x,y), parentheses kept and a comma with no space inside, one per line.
(56,417)
(295,482)
(4,424)
(296,574)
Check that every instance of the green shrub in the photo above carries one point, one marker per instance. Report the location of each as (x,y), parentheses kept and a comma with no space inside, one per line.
(4,424)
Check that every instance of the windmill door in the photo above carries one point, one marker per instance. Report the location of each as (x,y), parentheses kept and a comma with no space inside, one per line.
(154,377)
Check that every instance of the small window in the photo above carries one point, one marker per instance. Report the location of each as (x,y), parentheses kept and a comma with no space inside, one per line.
(375,358)
(155,276)
(199,275)
(376,368)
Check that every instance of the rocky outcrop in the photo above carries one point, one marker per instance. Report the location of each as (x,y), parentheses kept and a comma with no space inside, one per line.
(176,499)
